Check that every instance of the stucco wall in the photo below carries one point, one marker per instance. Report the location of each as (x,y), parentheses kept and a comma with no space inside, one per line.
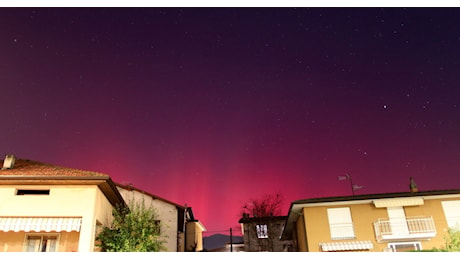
(11,241)
(363,217)
(85,201)
(301,235)
(167,214)
(194,237)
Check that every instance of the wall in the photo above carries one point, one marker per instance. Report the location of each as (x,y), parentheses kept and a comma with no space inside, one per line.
(363,216)
(167,214)
(63,201)
(271,244)
(301,235)
(194,237)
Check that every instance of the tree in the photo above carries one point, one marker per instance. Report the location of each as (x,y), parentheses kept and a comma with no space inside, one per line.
(261,222)
(134,229)
(267,206)
(452,241)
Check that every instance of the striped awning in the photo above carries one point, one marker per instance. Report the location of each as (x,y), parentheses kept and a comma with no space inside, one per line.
(346,246)
(398,202)
(40,224)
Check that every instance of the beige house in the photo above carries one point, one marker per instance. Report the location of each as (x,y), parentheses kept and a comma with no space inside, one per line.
(47,208)
(183,232)
(393,222)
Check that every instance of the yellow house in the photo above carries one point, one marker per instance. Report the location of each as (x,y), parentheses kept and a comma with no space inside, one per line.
(47,208)
(393,222)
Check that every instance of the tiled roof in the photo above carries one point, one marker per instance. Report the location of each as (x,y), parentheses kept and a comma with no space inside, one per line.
(25,168)
(129,187)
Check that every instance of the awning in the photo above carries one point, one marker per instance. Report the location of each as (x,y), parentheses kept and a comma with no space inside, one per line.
(38,224)
(346,246)
(398,202)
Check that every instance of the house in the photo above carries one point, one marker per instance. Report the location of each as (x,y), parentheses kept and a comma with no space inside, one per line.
(393,222)
(262,234)
(50,208)
(183,232)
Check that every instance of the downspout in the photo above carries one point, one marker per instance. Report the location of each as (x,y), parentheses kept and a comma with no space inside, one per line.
(185,228)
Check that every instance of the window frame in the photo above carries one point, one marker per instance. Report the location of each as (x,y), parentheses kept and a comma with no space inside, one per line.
(417,245)
(32,192)
(42,236)
(262,231)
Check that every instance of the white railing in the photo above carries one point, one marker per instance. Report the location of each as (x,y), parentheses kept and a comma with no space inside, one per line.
(413,227)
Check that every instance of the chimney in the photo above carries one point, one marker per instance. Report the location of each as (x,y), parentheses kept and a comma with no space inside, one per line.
(9,161)
(413,186)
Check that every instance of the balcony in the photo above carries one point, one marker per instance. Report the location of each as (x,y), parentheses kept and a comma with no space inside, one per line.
(404,228)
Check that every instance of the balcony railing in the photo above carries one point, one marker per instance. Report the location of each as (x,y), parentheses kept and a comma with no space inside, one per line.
(404,228)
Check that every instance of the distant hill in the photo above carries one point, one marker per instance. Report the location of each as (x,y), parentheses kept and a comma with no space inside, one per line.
(219,240)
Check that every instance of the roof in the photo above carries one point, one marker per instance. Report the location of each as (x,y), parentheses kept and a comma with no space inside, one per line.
(262,219)
(377,196)
(129,187)
(28,172)
(296,206)
(185,212)
(28,168)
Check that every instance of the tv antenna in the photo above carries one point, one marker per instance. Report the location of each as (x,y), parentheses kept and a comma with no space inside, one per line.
(352,186)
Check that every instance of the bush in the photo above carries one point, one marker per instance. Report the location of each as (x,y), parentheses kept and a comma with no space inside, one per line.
(452,242)
(134,229)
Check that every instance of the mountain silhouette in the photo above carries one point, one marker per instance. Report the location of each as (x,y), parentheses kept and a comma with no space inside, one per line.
(219,241)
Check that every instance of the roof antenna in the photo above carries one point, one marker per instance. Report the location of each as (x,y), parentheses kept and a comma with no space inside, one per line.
(352,186)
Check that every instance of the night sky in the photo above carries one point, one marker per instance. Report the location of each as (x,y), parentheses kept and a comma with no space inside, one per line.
(210,107)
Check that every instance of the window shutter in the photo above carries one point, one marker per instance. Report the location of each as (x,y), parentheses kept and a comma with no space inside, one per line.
(340,223)
(452,213)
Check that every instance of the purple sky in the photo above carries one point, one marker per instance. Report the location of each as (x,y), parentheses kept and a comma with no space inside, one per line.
(210,107)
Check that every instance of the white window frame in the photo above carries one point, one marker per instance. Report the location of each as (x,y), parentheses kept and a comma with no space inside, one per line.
(340,223)
(262,230)
(392,246)
(41,235)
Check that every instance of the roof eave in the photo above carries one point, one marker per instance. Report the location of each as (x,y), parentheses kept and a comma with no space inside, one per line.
(105,184)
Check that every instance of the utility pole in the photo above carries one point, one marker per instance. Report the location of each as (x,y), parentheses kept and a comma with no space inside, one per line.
(231,240)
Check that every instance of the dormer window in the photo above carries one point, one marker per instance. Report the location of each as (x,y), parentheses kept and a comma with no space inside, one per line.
(32,192)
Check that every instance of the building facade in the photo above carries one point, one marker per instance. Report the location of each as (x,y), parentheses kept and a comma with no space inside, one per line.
(183,233)
(262,234)
(391,222)
(52,209)
(47,208)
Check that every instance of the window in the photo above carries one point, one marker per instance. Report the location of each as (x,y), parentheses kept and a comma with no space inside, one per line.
(452,213)
(262,231)
(398,221)
(158,226)
(340,223)
(405,247)
(33,192)
(41,243)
